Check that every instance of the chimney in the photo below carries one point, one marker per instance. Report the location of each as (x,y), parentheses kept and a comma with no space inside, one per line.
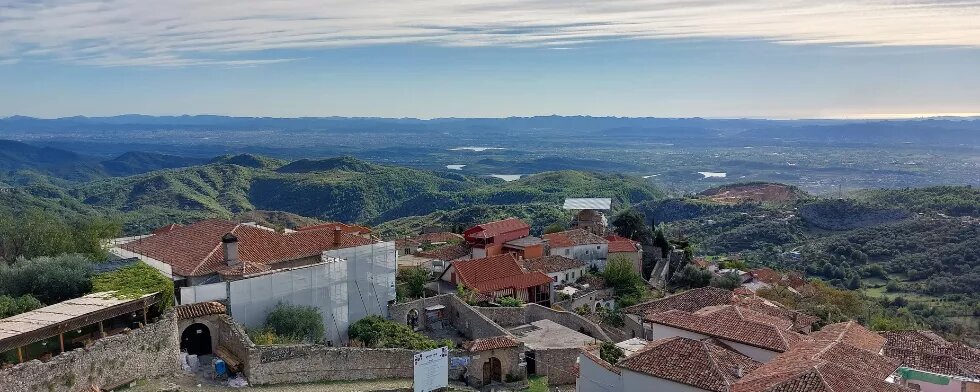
(337,235)
(229,246)
(740,372)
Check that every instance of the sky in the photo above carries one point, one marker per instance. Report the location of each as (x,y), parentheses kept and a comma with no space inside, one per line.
(464,58)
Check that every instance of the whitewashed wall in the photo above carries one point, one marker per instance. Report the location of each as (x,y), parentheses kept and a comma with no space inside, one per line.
(594,378)
(204,293)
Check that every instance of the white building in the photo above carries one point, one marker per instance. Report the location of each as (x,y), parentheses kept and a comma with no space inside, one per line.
(580,245)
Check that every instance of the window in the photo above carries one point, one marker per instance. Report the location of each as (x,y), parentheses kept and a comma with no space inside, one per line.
(597,247)
(566,277)
(566,252)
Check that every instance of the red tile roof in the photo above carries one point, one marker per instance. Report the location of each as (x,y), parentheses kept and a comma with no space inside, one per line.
(195,250)
(924,350)
(688,301)
(495,228)
(822,366)
(166,229)
(494,273)
(619,244)
(243,268)
(706,364)
(574,237)
(492,343)
(199,309)
(768,275)
(552,264)
(735,324)
(851,333)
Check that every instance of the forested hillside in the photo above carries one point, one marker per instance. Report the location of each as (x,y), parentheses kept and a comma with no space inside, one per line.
(343,189)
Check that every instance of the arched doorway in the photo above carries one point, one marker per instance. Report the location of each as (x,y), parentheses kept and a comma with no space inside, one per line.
(491,371)
(196,339)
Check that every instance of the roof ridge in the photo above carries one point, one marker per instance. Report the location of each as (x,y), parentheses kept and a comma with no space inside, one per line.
(714,363)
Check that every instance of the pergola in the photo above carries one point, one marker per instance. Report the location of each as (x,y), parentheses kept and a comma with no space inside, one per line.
(55,320)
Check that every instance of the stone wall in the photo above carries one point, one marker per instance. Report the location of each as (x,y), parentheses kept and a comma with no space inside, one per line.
(304,363)
(465,318)
(232,337)
(571,320)
(557,364)
(505,316)
(109,362)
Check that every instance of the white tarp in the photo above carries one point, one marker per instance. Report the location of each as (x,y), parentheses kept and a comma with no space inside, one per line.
(431,370)
(203,293)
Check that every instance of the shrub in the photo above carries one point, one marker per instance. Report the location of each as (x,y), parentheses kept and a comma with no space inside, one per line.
(610,353)
(10,306)
(35,233)
(414,280)
(728,281)
(267,336)
(300,323)
(377,332)
(49,279)
(135,281)
(691,277)
(510,302)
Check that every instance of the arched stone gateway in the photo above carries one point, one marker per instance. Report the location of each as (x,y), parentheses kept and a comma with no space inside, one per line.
(492,371)
(196,339)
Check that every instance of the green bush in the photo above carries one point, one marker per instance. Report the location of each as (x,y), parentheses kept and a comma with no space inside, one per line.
(413,280)
(10,306)
(510,302)
(727,281)
(136,281)
(610,353)
(691,277)
(49,279)
(621,276)
(377,332)
(300,323)
(35,232)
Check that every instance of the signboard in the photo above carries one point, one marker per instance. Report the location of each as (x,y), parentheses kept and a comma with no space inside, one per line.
(431,369)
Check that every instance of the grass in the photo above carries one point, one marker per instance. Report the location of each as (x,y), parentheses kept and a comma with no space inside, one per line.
(537,384)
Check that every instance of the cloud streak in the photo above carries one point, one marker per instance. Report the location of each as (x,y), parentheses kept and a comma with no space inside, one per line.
(229,32)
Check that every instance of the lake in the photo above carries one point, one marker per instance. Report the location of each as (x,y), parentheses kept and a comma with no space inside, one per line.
(507,177)
(713,174)
(455,167)
(476,149)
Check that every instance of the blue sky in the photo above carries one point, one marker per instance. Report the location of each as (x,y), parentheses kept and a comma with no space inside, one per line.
(759,58)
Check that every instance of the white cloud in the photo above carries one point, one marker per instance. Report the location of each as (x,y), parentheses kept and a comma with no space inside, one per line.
(208,32)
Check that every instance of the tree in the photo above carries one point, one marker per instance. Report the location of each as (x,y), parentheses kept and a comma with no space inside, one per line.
(554,228)
(11,306)
(660,241)
(37,233)
(298,322)
(630,224)
(610,353)
(621,276)
(49,279)
(414,280)
(854,282)
(727,281)
(691,277)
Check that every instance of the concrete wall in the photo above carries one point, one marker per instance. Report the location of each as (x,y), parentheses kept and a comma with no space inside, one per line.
(146,352)
(596,378)
(557,364)
(633,381)
(286,364)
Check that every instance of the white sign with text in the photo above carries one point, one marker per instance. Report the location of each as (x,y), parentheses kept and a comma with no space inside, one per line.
(431,369)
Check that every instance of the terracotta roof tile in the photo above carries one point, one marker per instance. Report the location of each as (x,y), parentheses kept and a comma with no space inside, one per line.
(551,264)
(924,350)
(832,366)
(346,228)
(496,272)
(851,333)
(619,244)
(195,250)
(492,343)
(688,301)
(735,324)
(166,229)
(199,309)
(574,237)
(243,268)
(495,228)
(706,364)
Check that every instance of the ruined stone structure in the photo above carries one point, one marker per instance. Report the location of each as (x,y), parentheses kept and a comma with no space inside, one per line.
(108,363)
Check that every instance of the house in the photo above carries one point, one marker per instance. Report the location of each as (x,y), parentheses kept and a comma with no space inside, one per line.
(589,214)
(487,239)
(211,250)
(933,364)
(756,335)
(526,247)
(252,268)
(580,245)
(441,258)
(499,276)
(358,230)
(560,269)
(683,364)
(628,249)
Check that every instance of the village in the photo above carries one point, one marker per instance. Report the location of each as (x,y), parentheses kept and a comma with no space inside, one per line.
(581,306)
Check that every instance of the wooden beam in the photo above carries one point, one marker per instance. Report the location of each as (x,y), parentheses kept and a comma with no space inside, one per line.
(20,355)
(101,330)
(61,339)
(145,321)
